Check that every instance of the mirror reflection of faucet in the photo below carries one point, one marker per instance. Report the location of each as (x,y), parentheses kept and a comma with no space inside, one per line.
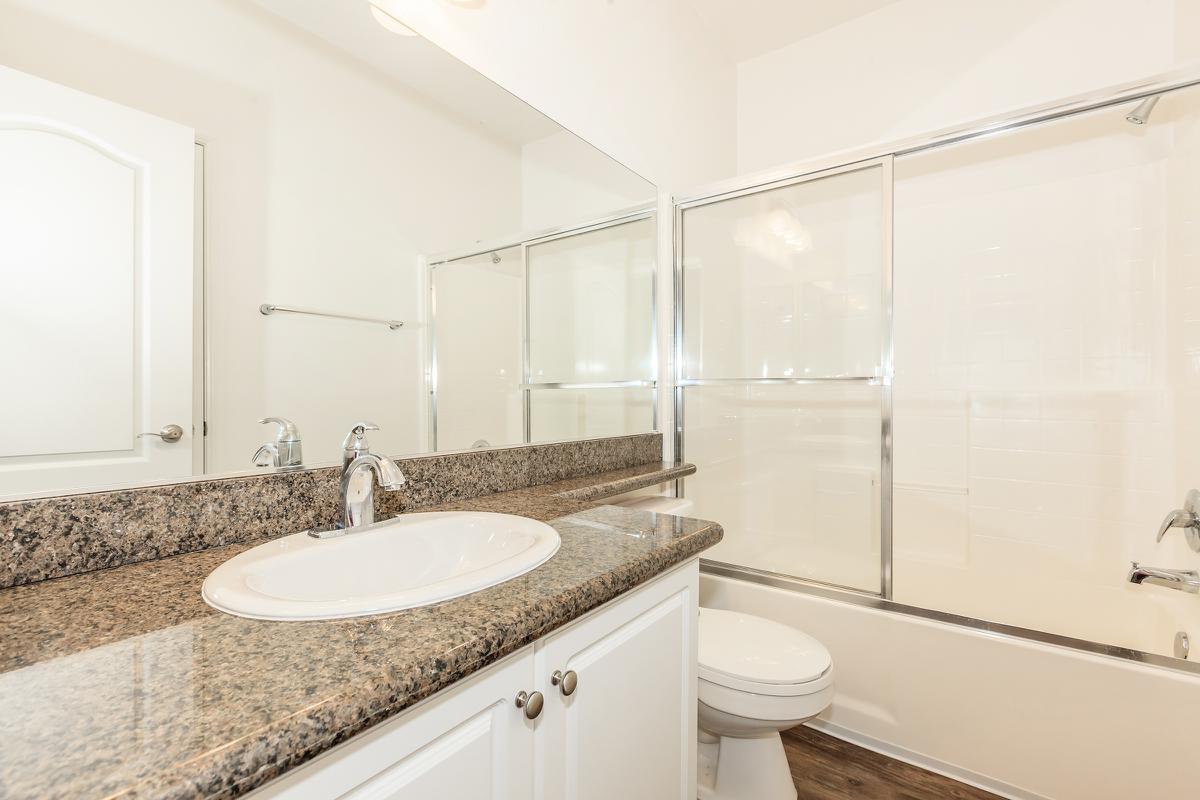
(284,452)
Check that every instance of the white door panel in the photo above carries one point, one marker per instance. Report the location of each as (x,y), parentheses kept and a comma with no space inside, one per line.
(96,274)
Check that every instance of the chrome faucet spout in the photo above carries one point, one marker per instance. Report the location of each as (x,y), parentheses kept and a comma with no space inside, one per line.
(1185,580)
(358,487)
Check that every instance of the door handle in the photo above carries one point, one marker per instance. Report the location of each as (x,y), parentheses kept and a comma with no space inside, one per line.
(169,434)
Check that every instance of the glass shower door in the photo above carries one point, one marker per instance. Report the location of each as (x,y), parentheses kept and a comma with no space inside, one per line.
(1048,340)
(784,372)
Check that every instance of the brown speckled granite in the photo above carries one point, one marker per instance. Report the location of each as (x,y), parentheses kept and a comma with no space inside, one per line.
(620,481)
(124,683)
(70,534)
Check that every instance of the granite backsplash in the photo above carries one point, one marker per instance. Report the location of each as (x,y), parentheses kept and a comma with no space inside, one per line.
(66,535)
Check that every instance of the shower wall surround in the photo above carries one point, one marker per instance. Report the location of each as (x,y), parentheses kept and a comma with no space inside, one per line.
(66,535)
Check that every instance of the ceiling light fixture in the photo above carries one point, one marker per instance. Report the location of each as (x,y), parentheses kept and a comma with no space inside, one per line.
(390,23)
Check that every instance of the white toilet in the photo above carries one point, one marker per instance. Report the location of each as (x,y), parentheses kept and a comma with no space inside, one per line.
(757,678)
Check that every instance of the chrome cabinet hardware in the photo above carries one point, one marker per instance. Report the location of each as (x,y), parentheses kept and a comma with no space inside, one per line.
(169,434)
(566,683)
(1187,518)
(1185,580)
(1183,645)
(531,703)
(285,452)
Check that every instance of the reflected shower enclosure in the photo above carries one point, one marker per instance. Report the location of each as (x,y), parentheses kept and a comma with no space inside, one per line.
(570,345)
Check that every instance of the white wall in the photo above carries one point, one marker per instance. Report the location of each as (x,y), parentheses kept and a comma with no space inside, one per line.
(645,82)
(566,181)
(920,65)
(324,185)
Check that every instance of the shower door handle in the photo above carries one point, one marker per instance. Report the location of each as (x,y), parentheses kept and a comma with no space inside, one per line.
(1187,518)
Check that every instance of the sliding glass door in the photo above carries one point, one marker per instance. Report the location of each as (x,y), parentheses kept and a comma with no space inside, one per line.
(783,391)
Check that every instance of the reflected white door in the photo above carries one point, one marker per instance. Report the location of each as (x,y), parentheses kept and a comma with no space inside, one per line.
(96,271)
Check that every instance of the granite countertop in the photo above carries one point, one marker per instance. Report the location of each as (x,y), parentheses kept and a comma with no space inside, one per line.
(124,683)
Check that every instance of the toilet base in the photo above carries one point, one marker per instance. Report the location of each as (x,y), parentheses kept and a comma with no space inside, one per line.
(751,768)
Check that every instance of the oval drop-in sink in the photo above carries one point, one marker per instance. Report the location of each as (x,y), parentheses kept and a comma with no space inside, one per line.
(408,561)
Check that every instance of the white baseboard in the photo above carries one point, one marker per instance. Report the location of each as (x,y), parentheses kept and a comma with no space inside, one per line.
(924,762)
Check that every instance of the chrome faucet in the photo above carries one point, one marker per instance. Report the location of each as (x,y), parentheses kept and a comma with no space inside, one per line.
(1185,580)
(361,468)
(284,452)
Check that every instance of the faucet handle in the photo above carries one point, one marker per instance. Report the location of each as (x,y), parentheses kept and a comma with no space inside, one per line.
(288,432)
(1179,518)
(1187,518)
(356,443)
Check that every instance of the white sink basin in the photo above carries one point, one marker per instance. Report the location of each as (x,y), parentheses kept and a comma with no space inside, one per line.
(411,560)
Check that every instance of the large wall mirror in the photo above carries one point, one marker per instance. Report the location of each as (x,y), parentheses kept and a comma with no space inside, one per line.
(217,212)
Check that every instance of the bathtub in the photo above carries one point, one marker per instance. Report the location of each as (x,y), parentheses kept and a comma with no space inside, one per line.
(1016,717)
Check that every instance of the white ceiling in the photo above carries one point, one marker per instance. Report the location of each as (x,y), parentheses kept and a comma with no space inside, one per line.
(749,28)
(418,65)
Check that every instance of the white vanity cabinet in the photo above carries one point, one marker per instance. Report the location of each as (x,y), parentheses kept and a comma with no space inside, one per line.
(618,719)
(628,727)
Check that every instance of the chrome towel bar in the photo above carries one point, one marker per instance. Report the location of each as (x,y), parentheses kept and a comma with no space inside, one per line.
(267,308)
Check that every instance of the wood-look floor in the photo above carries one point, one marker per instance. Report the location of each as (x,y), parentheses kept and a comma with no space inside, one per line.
(825,768)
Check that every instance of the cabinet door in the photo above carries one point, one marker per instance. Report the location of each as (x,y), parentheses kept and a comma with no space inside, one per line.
(471,743)
(629,729)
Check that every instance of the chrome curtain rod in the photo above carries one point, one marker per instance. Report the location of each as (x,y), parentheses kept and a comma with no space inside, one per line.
(267,308)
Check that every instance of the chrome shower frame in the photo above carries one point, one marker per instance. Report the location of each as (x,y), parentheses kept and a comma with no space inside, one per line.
(799,172)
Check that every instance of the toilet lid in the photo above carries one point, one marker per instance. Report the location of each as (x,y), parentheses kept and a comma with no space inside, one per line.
(737,648)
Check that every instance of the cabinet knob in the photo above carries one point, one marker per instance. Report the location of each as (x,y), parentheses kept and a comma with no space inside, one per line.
(532,703)
(566,683)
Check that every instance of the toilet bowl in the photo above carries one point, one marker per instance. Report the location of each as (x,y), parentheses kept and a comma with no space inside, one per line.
(756,678)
